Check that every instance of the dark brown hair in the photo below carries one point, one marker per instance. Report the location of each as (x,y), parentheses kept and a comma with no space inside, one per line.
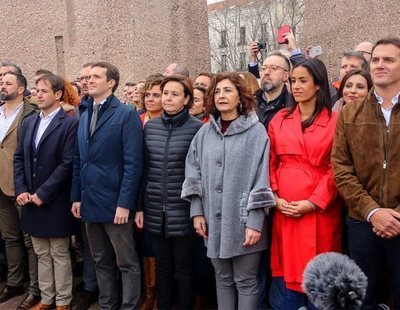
(351,73)
(112,72)
(394,41)
(185,82)
(56,82)
(319,74)
(42,71)
(151,81)
(245,97)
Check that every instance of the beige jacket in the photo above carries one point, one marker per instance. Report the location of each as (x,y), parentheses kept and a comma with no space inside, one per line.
(8,147)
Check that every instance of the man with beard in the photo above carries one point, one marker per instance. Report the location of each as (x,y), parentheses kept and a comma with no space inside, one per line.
(14,110)
(273,95)
(83,79)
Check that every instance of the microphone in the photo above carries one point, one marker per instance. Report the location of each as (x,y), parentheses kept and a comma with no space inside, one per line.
(333,281)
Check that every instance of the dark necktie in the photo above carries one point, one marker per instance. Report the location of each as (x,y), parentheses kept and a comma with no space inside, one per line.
(96,108)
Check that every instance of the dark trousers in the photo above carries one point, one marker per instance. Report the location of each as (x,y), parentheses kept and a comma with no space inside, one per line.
(15,243)
(294,300)
(111,245)
(377,257)
(89,270)
(173,255)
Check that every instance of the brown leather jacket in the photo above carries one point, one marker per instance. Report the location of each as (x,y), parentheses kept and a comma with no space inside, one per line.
(366,157)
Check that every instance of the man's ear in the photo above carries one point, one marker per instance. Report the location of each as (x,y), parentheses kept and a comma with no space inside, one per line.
(287,76)
(111,83)
(58,94)
(21,90)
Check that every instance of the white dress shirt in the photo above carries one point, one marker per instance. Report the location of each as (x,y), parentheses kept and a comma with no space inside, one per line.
(387,112)
(386,115)
(5,122)
(44,123)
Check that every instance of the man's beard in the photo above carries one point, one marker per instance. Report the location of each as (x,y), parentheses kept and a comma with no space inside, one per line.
(267,86)
(8,97)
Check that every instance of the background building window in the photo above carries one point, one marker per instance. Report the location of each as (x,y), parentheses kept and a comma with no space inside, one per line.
(264,33)
(243,61)
(242,36)
(224,34)
(224,63)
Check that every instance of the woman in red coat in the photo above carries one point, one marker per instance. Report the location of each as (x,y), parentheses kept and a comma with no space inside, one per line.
(307,221)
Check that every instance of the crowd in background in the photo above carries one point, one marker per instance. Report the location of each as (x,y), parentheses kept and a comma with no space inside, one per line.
(215,191)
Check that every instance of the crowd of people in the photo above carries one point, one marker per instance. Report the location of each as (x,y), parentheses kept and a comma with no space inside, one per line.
(182,189)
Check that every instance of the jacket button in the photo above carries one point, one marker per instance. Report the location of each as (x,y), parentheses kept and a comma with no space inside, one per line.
(219,189)
(218,215)
(35,159)
(219,163)
(34,175)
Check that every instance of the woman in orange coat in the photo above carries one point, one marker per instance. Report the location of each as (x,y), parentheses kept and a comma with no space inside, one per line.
(308,220)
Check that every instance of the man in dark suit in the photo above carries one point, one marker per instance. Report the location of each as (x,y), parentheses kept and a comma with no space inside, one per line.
(108,164)
(12,113)
(42,177)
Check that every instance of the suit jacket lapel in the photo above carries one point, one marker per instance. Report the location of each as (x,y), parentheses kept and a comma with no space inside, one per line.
(55,122)
(106,115)
(14,123)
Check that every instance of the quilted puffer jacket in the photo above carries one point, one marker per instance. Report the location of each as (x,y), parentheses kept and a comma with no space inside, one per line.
(167,140)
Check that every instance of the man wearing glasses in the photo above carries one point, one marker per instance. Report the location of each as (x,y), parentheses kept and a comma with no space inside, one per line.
(83,79)
(273,95)
(88,289)
(365,48)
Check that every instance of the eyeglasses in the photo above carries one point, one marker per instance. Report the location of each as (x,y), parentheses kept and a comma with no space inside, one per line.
(364,52)
(273,68)
(84,78)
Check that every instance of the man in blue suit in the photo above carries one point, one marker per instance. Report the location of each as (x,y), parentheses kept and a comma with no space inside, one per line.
(108,164)
(42,177)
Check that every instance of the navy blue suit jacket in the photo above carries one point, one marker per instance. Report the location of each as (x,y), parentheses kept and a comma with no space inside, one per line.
(46,171)
(107,165)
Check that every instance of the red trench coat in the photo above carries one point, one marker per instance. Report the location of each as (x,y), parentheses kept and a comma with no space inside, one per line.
(300,169)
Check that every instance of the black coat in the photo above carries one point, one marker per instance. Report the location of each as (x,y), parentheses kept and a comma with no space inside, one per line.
(167,140)
(47,171)
(267,110)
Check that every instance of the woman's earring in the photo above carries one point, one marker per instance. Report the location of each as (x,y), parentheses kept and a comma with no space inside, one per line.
(240,107)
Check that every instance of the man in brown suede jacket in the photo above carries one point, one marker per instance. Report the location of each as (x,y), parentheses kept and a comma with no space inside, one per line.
(366,167)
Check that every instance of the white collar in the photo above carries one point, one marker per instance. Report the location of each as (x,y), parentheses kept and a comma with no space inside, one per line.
(50,115)
(3,108)
(100,103)
(395,99)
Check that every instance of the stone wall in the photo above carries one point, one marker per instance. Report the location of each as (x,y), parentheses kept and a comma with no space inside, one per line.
(340,25)
(141,37)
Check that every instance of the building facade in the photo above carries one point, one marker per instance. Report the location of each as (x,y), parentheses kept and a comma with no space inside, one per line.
(140,37)
(234,24)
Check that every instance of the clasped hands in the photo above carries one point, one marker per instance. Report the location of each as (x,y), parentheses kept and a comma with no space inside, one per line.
(386,223)
(294,209)
(25,198)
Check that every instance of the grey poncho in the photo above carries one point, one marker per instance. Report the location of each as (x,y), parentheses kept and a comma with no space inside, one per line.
(227,181)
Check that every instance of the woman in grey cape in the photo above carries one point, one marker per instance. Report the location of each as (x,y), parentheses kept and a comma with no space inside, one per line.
(227,183)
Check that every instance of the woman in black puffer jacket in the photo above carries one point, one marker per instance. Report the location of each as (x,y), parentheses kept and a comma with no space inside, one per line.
(166,216)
